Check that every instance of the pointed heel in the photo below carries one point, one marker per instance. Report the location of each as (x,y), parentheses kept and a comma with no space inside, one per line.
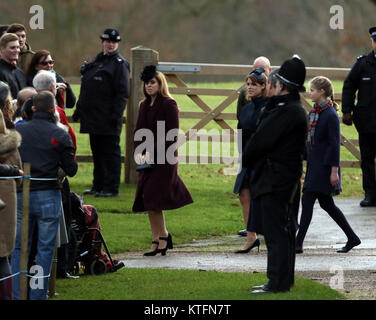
(254,244)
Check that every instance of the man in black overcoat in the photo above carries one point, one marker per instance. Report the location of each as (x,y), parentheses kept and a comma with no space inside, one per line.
(275,153)
(362,80)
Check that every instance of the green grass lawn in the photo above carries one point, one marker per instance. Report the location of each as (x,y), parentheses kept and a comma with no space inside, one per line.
(209,215)
(216,211)
(161,284)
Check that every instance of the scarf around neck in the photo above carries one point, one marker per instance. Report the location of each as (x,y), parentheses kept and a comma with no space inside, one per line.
(314,116)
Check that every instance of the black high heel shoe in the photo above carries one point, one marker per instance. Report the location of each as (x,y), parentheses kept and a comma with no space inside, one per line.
(169,244)
(254,244)
(154,252)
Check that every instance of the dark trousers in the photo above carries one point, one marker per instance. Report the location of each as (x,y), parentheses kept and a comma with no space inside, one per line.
(279,237)
(107,162)
(295,206)
(6,288)
(326,203)
(255,216)
(367,145)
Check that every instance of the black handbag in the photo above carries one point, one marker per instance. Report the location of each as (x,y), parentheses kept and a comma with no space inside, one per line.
(143,167)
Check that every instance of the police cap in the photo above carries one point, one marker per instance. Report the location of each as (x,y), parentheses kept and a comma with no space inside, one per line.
(111,35)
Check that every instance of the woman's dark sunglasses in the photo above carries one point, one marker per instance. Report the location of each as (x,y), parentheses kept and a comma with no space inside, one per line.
(44,63)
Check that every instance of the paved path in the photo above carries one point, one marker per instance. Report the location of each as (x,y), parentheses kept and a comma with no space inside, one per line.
(323,238)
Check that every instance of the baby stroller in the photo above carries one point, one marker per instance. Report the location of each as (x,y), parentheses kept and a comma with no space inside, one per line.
(85,245)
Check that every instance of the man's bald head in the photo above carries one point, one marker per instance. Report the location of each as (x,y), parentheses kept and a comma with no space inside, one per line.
(263,62)
(25,94)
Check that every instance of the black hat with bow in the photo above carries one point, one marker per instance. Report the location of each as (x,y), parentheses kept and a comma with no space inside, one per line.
(148,73)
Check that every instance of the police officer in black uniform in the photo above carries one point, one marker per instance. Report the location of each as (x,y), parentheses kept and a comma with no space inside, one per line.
(100,107)
(362,79)
(275,154)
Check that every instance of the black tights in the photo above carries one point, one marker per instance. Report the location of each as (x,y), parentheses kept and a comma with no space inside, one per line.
(327,204)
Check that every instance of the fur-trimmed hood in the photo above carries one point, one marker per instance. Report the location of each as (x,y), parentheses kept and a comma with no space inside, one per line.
(9,142)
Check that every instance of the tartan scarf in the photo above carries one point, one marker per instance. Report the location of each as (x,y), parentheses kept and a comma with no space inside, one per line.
(314,116)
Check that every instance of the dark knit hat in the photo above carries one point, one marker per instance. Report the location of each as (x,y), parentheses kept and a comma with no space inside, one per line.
(293,73)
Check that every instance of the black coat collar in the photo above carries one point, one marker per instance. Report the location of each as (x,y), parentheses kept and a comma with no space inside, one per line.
(102,56)
(7,65)
(282,101)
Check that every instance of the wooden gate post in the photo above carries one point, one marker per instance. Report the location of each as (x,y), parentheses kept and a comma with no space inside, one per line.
(140,57)
(25,232)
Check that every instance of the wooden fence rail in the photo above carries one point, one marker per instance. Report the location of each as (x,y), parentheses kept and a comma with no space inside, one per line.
(141,56)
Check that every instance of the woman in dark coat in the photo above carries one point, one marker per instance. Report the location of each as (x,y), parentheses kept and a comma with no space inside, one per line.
(322,179)
(256,90)
(159,187)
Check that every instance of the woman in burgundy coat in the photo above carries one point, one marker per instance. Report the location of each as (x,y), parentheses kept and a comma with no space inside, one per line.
(155,142)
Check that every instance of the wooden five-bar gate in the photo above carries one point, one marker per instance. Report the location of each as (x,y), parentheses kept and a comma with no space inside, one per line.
(141,56)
